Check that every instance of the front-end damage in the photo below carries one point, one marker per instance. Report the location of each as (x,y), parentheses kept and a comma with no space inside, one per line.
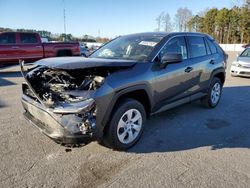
(62,102)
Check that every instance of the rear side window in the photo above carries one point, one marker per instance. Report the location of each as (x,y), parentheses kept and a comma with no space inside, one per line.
(211,46)
(208,49)
(176,45)
(8,38)
(197,46)
(28,38)
(219,49)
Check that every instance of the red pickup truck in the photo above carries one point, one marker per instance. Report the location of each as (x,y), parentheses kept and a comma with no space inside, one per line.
(29,47)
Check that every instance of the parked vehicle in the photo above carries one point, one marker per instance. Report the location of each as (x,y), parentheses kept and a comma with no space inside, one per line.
(246,46)
(29,47)
(84,51)
(241,67)
(109,95)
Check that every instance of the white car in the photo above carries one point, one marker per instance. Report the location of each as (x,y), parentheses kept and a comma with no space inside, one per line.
(241,67)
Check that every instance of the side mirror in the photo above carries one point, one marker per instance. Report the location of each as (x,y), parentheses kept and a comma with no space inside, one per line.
(170,58)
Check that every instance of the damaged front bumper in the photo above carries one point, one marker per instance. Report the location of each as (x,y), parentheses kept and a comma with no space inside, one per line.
(66,124)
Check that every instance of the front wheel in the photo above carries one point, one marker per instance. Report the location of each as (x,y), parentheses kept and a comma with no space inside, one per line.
(126,125)
(214,94)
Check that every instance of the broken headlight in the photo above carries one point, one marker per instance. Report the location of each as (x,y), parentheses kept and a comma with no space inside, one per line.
(78,116)
(75,108)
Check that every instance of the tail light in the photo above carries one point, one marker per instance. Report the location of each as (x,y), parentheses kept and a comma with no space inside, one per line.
(78,48)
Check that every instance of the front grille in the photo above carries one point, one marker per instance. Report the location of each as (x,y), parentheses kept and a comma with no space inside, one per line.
(248,67)
(39,115)
(247,73)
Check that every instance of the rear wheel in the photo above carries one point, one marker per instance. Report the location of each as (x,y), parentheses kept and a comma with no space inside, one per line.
(63,53)
(214,94)
(126,125)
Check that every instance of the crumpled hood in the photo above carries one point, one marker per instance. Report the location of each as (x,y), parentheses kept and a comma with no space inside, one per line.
(71,63)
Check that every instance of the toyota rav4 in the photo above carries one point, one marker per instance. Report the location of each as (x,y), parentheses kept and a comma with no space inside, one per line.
(109,95)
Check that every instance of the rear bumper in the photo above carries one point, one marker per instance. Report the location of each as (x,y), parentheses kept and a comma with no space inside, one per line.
(61,128)
(240,71)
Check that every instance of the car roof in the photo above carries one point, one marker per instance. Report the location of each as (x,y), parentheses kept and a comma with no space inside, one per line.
(28,32)
(161,34)
(164,34)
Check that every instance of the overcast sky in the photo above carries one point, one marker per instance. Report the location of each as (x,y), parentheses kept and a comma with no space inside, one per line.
(110,17)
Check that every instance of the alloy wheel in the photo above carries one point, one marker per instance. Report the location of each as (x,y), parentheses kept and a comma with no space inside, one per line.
(129,126)
(215,93)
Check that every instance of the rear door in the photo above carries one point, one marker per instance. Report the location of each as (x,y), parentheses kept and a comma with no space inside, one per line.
(9,50)
(31,46)
(200,61)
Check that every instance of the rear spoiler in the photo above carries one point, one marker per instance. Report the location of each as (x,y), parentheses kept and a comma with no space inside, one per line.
(21,62)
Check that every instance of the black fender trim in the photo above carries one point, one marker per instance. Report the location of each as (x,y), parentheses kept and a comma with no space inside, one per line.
(217,71)
(120,93)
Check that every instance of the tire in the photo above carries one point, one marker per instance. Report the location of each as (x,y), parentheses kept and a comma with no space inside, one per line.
(123,132)
(64,53)
(214,94)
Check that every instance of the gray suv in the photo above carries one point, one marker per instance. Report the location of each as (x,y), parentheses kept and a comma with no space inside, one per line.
(109,95)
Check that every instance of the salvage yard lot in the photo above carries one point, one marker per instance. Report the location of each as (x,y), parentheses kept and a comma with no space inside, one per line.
(188,146)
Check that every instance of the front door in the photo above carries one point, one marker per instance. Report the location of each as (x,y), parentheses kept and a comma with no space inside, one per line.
(174,81)
(9,50)
(31,46)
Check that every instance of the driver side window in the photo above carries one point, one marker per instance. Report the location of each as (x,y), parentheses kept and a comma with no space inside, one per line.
(176,45)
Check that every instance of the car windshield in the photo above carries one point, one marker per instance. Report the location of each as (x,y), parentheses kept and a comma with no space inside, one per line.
(245,53)
(129,48)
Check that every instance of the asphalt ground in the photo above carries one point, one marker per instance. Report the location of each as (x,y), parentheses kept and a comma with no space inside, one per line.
(189,146)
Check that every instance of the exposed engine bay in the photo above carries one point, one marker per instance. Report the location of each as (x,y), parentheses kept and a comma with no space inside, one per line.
(66,92)
(60,95)
(52,85)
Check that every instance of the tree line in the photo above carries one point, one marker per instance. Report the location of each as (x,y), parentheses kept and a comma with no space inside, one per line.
(59,37)
(225,25)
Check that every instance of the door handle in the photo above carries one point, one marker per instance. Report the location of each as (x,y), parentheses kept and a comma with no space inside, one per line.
(212,62)
(188,69)
(15,47)
(38,46)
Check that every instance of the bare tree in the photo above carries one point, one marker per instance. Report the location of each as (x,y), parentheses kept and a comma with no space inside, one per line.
(239,3)
(203,12)
(182,17)
(168,26)
(247,3)
(236,2)
(159,21)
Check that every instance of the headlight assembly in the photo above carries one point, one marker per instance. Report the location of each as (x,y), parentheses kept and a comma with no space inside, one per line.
(235,63)
(75,108)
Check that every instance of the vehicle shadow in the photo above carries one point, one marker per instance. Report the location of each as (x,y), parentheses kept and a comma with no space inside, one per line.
(191,126)
(2,104)
(10,74)
(4,75)
(4,82)
(7,65)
